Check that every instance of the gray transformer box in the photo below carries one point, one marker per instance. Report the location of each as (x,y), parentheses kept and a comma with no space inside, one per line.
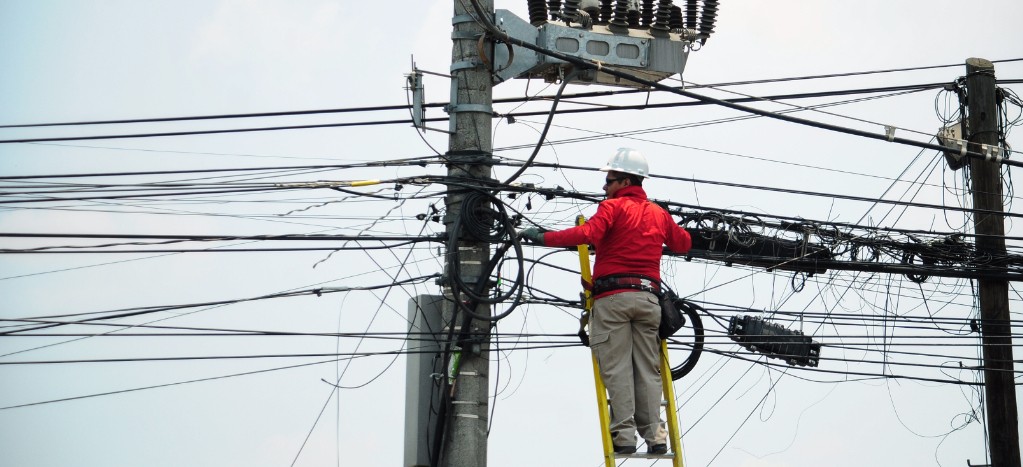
(426,334)
(650,57)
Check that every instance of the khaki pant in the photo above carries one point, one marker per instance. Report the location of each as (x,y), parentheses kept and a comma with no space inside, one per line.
(623,335)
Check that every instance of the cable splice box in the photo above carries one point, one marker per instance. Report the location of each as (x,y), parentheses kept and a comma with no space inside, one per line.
(774,341)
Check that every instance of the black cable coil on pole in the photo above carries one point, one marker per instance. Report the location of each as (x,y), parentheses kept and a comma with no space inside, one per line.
(481,222)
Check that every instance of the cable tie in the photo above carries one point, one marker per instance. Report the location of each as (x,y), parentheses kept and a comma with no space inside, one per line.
(889,131)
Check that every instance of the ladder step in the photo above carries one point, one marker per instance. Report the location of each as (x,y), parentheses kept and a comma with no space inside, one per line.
(643,455)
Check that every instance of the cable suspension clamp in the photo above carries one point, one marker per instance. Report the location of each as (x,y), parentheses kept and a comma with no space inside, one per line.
(889,132)
(992,153)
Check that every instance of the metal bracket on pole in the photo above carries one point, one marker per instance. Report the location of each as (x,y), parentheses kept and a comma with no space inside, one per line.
(454,107)
(415,81)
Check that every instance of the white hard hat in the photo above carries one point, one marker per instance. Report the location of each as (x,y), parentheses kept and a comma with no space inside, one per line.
(628,160)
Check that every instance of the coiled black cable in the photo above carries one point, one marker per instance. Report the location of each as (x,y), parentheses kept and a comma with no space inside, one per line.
(482,222)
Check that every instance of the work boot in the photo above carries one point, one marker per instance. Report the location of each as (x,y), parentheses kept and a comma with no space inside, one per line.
(625,449)
(657,449)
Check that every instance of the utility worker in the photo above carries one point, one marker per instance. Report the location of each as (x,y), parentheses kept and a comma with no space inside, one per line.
(628,232)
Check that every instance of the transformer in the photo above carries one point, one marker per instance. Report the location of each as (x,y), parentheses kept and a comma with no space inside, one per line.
(649,54)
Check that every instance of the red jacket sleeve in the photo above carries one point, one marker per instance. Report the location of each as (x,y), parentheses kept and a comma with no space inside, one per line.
(588,233)
(629,233)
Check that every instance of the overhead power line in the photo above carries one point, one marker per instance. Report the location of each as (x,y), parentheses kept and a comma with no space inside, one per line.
(787,190)
(288,113)
(678,90)
(45,323)
(420,161)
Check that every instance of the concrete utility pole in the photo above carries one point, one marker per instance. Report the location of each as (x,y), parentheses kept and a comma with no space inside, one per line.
(996,335)
(470,158)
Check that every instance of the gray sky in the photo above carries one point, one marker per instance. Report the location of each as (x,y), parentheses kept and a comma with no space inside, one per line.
(101,60)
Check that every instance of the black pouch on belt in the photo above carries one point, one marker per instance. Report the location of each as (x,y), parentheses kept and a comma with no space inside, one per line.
(672,318)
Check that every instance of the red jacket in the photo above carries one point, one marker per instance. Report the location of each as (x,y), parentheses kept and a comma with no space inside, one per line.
(628,232)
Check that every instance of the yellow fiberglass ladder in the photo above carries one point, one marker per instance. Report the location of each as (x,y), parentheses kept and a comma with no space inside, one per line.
(603,409)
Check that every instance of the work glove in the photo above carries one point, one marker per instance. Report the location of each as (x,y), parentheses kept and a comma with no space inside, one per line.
(533,235)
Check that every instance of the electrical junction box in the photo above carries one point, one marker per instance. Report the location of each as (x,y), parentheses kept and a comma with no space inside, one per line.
(649,57)
(774,341)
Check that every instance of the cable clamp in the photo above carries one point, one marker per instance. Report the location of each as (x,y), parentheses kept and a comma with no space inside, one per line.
(889,131)
(992,153)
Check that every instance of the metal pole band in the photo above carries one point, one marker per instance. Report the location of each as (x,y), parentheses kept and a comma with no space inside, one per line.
(459,19)
(480,108)
(465,35)
(464,65)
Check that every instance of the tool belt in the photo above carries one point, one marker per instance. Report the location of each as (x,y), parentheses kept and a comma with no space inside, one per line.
(626,281)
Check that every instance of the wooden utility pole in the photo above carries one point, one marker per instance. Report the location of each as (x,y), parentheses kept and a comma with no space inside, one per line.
(996,335)
(469,160)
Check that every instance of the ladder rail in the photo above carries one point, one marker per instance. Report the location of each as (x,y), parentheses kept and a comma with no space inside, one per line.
(670,412)
(605,417)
